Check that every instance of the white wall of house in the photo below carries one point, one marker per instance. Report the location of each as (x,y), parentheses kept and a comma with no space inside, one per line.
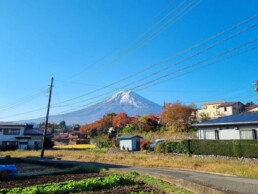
(230,110)
(224,133)
(31,142)
(226,111)
(4,137)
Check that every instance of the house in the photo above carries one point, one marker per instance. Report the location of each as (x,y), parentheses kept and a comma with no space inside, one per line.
(213,110)
(35,136)
(20,136)
(230,108)
(11,135)
(210,110)
(73,137)
(238,126)
(253,108)
(130,143)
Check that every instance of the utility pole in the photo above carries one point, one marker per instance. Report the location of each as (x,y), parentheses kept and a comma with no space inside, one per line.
(256,86)
(46,122)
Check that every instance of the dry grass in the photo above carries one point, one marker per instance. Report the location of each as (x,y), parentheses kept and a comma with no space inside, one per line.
(233,167)
(76,146)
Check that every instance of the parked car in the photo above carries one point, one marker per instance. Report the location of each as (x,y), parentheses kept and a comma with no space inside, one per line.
(155,142)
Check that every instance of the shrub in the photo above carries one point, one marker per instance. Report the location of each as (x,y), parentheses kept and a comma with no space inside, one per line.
(160,147)
(232,148)
(145,145)
(48,143)
(103,141)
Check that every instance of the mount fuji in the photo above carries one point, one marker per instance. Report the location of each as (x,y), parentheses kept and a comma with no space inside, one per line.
(124,101)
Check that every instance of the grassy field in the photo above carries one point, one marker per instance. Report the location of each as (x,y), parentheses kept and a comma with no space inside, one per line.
(76,146)
(233,167)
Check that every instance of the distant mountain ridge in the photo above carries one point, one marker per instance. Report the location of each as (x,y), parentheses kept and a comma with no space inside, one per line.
(123,101)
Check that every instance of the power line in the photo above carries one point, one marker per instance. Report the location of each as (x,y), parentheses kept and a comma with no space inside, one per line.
(173,56)
(180,70)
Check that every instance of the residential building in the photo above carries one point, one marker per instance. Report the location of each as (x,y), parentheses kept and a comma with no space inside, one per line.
(253,108)
(238,126)
(213,110)
(11,135)
(20,136)
(209,110)
(230,108)
(72,137)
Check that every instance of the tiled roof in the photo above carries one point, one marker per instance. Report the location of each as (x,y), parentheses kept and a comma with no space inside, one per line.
(35,131)
(244,118)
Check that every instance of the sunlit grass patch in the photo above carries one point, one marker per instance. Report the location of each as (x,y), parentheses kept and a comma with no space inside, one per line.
(76,146)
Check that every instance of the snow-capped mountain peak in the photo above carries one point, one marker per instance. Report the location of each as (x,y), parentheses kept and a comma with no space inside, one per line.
(127,98)
(123,101)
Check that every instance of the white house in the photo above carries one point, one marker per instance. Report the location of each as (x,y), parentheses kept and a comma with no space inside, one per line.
(21,136)
(130,143)
(11,134)
(238,126)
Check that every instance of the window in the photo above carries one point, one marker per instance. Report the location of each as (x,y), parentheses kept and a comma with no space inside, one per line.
(248,134)
(210,135)
(11,131)
(204,107)
(10,143)
(225,109)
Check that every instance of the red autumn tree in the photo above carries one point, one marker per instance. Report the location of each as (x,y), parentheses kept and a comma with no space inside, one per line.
(121,120)
(177,115)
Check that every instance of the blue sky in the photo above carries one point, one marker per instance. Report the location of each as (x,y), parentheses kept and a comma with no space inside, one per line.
(89,44)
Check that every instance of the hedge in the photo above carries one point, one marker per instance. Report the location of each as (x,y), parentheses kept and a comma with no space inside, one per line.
(232,148)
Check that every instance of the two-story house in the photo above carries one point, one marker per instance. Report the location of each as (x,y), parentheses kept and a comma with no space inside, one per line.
(209,110)
(19,136)
(11,134)
(213,110)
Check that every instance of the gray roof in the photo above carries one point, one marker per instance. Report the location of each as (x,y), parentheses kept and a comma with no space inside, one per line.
(35,131)
(228,104)
(239,119)
(214,102)
(129,137)
(12,124)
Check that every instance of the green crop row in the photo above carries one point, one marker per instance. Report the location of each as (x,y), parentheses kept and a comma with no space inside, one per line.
(91,184)
(232,148)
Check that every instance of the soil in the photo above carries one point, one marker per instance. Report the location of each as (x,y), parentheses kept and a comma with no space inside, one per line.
(22,181)
(43,179)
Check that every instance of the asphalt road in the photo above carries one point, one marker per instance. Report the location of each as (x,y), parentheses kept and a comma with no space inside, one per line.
(197,182)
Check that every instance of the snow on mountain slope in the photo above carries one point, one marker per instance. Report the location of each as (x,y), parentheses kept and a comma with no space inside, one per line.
(124,101)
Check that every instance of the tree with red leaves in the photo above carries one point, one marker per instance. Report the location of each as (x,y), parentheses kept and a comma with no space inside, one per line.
(121,120)
(177,116)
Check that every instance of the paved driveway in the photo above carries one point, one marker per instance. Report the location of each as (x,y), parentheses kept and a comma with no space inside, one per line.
(198,182)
